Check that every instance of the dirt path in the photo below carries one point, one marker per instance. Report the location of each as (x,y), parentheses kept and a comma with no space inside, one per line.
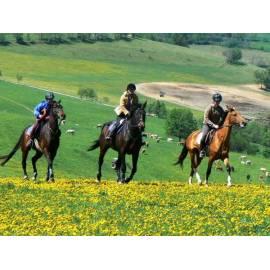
(248,99)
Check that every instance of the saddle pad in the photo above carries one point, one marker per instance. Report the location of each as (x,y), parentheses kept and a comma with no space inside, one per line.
(29,130)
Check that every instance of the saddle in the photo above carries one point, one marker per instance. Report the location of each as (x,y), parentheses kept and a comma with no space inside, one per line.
(209,137)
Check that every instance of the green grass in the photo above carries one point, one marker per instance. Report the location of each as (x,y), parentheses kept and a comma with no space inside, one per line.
(108,67)
(73,161)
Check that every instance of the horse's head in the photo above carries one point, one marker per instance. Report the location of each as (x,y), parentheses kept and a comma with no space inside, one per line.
(58,111)
(137,116)
(234,117)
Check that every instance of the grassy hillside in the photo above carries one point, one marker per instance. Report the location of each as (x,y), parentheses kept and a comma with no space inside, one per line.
(72,161)
(109,66)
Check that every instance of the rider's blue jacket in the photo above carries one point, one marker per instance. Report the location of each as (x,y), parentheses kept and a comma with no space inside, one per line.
(40,107)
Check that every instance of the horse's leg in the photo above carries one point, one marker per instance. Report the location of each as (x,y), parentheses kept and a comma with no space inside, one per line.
(100,161)
(209,168)
(25,152)
(122,167)
(197,161)
(50,176)
(192,165)
(34,160)
(135,157)
(118,165)
(228,167)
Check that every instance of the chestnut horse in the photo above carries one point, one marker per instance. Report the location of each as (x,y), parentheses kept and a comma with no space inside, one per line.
(47,142)
(218,149)
(127,141)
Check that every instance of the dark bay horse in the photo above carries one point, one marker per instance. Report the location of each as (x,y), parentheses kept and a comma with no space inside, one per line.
(127,141)
(218,149)
(47,142)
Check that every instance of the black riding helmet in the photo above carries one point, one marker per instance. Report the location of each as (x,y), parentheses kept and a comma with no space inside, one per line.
(49,96)
(131,87)
(217,97)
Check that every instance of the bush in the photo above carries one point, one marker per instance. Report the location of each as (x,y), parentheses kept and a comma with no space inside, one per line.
(263,78)
(260,62)
(87,93)
(19,77)
(232,55)
(266,153)
(180,123)
(158,108)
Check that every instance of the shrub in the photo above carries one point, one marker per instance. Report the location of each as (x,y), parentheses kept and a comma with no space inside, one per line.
(232,55)
(180,123)
(19,77)
(263,78)
(87,93)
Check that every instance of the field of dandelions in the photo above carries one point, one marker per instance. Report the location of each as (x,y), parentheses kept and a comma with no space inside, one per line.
(83,207)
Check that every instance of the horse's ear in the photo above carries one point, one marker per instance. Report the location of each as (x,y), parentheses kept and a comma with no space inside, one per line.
(230,108)
(144,104)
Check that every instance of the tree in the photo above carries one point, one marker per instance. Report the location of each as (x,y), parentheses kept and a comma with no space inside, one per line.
(232,55)
(180,39)
(3,40)
(19,39)
(263,78)
(180,123)
(158,108)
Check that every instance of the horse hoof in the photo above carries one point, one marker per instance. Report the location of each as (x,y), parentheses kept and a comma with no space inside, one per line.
(127,180)
(200,183)
(26,177)
(206,185)
(97,181)
(229,185)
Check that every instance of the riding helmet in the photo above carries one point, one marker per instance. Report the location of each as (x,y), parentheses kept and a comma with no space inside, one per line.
(131,87)
(217,97)
(49,96)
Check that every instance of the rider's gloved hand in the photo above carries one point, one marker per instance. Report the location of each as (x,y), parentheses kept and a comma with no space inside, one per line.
(215,126)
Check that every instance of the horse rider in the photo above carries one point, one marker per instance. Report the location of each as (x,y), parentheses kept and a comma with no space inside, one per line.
(127,100)
(213,117)
(41,112)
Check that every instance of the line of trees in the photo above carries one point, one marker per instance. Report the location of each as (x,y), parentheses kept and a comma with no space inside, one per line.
(61,38)
(182,39)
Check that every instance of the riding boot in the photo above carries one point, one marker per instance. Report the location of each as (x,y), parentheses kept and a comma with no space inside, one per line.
(111,131)
(202,150)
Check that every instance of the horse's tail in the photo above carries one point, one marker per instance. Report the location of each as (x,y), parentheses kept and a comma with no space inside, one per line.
(94,146)
(6,158)
(182,156)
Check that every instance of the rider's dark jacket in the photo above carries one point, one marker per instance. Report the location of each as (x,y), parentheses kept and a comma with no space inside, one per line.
(213,115)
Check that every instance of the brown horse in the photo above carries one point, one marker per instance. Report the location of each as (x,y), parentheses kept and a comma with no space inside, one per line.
(47,142)
(218,149)
(127,141)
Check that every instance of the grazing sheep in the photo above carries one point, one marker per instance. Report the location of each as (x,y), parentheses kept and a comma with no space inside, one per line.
(169,139)
(70,131)
(248,162)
